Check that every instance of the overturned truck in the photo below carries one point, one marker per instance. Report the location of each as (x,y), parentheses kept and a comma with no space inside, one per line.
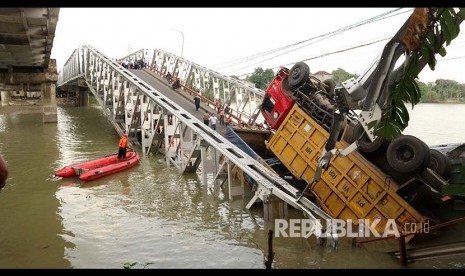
(324,135)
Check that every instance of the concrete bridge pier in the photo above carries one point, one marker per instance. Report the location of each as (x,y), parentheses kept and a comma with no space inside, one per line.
(21,80)
(49,101)
(83,95)
(74,94)
(3,95)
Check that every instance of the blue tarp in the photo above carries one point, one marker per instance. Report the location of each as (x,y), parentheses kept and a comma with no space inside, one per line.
(232,137)
(238,142)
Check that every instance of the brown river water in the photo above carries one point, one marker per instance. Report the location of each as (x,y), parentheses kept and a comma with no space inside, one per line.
(150,215)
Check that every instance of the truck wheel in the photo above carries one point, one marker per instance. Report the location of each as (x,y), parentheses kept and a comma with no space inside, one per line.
(427,160)
(287,89)
(439,163)
(407,154)
(298,75)
(364,143)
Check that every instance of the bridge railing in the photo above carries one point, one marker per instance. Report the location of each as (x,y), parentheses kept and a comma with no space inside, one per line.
(241,97)
(73,68)
(136,56)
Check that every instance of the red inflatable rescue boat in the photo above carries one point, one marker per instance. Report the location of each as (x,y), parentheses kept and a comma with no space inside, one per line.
(97,168)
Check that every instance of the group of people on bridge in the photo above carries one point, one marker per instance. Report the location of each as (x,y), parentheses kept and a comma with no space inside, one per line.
(137,64)
(175,83)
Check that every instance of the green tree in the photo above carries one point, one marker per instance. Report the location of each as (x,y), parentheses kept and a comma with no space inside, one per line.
(340,75)
(447,89)
(261,77)
(428,95)
(462,92)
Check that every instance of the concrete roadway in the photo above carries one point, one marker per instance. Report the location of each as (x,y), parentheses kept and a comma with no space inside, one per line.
(181,97)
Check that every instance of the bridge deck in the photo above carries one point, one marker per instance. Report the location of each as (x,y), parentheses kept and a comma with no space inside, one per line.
(182,98)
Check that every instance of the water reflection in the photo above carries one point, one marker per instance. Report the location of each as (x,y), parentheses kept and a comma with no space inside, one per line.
(30,226)
(149,214)
(149,218)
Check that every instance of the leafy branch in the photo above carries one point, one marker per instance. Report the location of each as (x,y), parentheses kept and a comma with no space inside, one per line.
(442,27)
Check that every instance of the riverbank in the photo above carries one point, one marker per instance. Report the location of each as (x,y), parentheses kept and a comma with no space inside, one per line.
(20,109)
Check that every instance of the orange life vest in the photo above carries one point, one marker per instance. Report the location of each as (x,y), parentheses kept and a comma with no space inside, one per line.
(123,142)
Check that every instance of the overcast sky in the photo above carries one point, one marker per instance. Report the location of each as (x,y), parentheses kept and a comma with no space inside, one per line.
(213,36)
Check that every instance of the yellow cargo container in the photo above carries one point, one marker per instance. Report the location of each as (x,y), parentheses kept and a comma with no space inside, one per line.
(351,187)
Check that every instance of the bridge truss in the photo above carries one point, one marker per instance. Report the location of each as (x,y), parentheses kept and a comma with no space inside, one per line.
(157,124)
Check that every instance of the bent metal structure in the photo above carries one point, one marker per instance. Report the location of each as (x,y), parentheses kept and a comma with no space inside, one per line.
(242,98)
(156,123)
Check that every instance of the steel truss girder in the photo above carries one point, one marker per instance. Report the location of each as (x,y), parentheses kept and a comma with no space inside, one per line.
(138,55)
(244,99)
(73,68)
(136,107)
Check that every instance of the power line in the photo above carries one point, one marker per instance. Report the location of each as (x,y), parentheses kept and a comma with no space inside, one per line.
(278,55)
(329,34)
(445,59)
(322,37)
(345,50)
(332,53)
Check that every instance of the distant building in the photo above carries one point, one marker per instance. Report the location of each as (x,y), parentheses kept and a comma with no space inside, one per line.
(322,75)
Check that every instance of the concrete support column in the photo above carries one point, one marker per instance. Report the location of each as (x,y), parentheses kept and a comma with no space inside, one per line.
(5,97)
(83,96)
(236,188)
(274,208)
(49,102)
(203,156)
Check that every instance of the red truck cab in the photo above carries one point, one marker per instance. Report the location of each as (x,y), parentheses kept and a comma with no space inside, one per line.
(276,102)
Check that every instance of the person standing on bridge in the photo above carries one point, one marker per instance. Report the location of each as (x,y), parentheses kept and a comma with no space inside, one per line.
(213,120)
(221,117)
(206,118)
(123,144)
(227,110)
(168,77)
(197,102)
(218,105)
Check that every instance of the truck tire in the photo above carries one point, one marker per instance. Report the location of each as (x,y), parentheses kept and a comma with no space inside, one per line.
(427,160)
(364,143)
(407,154)
(299,75)
(439,163)
(287,89)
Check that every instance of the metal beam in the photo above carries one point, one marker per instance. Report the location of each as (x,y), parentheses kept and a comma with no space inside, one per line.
(126,99)
(242,98)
